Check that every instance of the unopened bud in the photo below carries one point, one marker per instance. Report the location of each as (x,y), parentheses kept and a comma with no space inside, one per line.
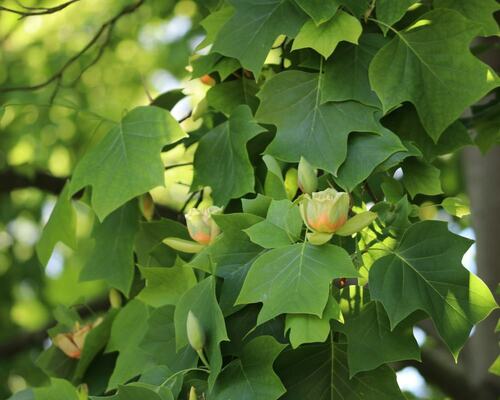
(307,177)
(192,394)
(182,245)
(83,392)
(195,333)
(147,206)
(115,298)
(291,183)
(326,211)
(201,226)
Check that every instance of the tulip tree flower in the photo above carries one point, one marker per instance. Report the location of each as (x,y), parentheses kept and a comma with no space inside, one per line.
(325,213)
(201,227)
(72,343)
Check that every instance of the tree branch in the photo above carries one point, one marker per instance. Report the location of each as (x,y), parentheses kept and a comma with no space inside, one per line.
(11,180)
(105,29)
(34,11)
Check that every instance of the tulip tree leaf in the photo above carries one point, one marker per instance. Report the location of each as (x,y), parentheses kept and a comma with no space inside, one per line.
(274,185)
(112,258)
(479,11)
(61,227)
(126,162)
(391,11)
(230,174)
(319,10)
(214,62)
(425,273)
(251,31)
(251,376)
(201,301)
(346,74)
(227,96)
(421,177)
(372,343)
(364,154)
(308,128)
(127,331)
(138,390)
(324,38)
(407,69)
(165,285)
(299,370)
(59,389)
(159,341)
(295,279)
(281,227)
(307,328)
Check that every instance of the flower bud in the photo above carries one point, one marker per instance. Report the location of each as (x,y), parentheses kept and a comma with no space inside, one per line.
(147,206)
(201,226)
(115,298)
(186,246)
(307,177)
(72,343)
(326,211)
(291,183)
(195,333)
(192,394)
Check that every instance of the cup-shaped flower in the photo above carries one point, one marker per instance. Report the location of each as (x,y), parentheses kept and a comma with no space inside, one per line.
(72,343)
(307,177)
(201,226)
(326,211)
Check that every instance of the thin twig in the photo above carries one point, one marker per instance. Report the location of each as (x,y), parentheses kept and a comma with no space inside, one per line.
(34,11)
(107,27)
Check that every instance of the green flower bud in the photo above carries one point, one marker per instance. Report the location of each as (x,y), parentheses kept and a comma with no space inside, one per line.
(307,176)
(291,183)
(192,394)
(201,226)
(326,211)
(115,298)
(195,333)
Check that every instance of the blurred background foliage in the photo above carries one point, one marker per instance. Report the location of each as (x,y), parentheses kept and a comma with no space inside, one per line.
(49,129)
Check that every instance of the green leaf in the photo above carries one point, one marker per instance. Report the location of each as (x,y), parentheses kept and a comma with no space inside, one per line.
(230,174)
(159,342)
(425,273)
(391,11)
(129,327)
(274,185)
(251,376)
(138,390)
(456,206)
(346,74)
(306,328)
(168,99)
(166,285)
(250,33)
(319,372)
(495,367)
(227,96)
(281,227)
(258,206)
(364,154)
(95,341)
(59,389)
(371,342)
(126,162)
(407,69)
(319,10)
(214,62)
(214,22)
(307,128)
(201,301)
(421,177)
(295,279)
(405,123)
(61,227)
(112,258)
(324,38)
(479,11)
